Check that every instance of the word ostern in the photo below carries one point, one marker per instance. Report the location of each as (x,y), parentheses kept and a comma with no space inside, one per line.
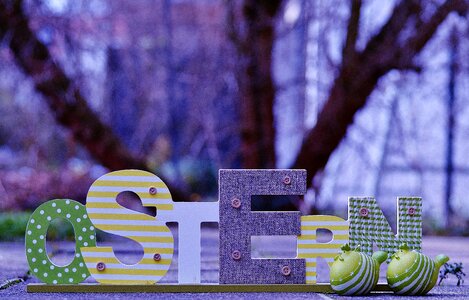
(366,225)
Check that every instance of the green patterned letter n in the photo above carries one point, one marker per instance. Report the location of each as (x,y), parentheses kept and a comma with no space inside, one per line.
(368,225)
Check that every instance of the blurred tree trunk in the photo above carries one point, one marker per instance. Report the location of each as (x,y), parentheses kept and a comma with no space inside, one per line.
(395,46)
(290,62)
(64,99)
(123,109)
(451,112)
(175,122)
(61,95)
(252,30)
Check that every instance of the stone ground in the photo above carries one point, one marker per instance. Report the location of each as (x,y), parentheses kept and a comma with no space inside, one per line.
(13,264)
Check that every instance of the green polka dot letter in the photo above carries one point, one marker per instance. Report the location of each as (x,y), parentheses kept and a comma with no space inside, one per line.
(355,273)
(368,225)
(35,239)
(412,273)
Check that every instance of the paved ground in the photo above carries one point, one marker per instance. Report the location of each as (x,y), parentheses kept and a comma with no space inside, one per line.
(13,264)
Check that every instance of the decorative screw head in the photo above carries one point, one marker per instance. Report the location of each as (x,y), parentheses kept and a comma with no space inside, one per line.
(152,190)
(364,212)
(156,257)
(236,255)
(286,270)
(236,203)
(100,266)
(286,180)
(411,211)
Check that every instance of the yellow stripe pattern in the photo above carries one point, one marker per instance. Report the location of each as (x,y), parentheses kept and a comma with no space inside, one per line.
(310,249)
(109,216)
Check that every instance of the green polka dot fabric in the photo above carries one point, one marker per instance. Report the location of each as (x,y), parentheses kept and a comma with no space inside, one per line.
(368,225)
(35,239)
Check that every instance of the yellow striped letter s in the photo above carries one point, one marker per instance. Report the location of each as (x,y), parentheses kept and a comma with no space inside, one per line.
(154,236)
(310,249)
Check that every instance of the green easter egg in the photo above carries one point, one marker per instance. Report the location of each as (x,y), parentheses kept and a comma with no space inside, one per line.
(412,273)
(353,273)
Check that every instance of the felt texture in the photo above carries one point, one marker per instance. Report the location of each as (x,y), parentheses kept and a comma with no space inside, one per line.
(238,224)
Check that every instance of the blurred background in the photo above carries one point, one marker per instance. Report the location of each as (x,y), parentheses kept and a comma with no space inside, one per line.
(371,97)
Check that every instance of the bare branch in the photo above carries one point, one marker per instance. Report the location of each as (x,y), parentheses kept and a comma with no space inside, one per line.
(349,51)
(382,48)
(425,30)
(356,81)
(63,97)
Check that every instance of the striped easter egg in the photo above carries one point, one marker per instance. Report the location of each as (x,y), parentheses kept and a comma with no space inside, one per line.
(355,273)
(413,273)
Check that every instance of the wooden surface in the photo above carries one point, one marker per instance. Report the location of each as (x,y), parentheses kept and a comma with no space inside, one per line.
(186,288)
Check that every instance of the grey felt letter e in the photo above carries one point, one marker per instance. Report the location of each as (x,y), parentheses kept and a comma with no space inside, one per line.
(238,223)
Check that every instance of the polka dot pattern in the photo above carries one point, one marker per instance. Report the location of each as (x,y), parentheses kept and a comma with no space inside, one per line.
(35,240)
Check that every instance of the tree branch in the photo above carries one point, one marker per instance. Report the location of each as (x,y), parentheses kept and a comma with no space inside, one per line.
(64,99)
(425,30)
(381,49)
(356,81)
(349,51)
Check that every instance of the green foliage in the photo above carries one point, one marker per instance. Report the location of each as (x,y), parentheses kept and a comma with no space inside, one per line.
(60,230)
(13,225)
(198,175)
(454,269)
